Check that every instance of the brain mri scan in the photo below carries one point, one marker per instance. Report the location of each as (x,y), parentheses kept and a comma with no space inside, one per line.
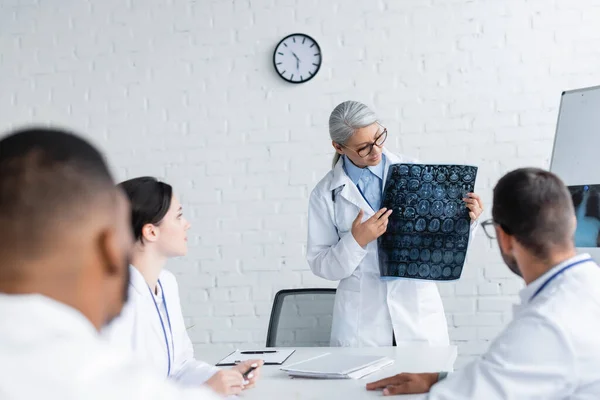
(428,234)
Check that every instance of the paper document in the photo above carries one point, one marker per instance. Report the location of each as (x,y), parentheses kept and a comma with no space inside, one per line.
(331,366)
(271,356)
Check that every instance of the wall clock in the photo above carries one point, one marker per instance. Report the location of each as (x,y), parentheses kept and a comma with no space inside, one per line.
(297,58)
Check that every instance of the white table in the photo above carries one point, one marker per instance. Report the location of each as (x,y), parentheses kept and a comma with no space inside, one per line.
(275,384)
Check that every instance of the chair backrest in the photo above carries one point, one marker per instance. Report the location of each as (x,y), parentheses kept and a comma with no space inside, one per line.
(301,318)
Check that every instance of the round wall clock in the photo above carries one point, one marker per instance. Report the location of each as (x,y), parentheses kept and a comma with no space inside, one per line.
(297,58)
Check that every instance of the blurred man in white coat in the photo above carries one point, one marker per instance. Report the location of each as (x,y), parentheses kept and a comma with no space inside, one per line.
(65,244)
(551,349)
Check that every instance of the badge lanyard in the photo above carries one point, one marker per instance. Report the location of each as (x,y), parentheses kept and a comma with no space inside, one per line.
(162,324)
(559,272)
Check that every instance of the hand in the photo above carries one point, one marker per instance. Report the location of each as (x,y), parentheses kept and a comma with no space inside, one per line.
(365,232)
(226,382)
(474,204)
(405,384)
(253,376)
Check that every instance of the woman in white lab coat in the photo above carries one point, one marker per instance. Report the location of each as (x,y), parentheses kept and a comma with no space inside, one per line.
(344,221)
(151,324)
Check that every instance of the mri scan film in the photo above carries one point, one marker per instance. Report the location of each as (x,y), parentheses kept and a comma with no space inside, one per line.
(428,232)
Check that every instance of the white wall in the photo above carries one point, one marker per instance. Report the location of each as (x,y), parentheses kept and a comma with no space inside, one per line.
(185,90)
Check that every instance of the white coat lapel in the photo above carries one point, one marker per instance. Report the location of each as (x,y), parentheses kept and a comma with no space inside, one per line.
(348,190)
(137,281)
(150,315)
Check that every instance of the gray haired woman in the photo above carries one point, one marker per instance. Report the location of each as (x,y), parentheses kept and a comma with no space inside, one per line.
(344,220)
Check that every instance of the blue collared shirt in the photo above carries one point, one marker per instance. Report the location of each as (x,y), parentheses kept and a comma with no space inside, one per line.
(369,180)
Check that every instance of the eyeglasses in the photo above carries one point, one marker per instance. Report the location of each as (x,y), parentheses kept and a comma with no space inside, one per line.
(366,150)
(489,228)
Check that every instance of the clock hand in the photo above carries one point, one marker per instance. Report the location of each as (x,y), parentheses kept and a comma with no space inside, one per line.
(297,61)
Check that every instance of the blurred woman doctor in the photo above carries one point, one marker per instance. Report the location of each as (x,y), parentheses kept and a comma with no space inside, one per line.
(151,324)
(344,221)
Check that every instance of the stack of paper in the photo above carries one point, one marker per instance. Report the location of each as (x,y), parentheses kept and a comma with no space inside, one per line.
(330,366)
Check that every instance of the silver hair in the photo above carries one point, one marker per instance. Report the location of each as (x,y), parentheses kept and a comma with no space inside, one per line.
(345,119)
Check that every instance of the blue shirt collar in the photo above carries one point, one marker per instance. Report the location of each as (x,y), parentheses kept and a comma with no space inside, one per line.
(354,172)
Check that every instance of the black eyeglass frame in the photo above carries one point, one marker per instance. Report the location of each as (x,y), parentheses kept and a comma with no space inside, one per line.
(491,224)
(370,146)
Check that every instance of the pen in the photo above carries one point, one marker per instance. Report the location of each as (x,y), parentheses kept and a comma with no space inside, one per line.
(259,352)
(252,368)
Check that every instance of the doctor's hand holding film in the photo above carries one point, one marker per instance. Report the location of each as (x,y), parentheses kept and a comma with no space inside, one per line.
(365,232)
(475,206)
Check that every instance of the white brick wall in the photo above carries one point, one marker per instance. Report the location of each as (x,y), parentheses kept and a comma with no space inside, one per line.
(185,90)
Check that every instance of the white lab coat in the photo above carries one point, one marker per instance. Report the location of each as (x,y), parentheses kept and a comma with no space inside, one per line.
(367,309)
(139,329)
(49,350)
(549,351)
